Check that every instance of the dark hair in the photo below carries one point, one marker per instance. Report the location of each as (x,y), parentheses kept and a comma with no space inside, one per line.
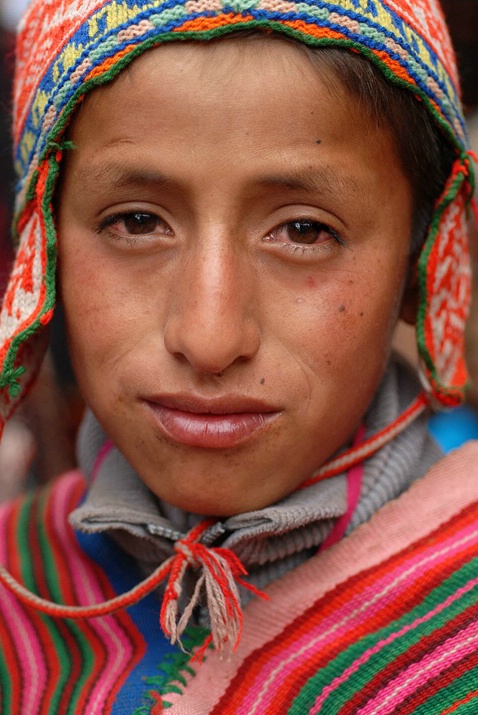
(424,151)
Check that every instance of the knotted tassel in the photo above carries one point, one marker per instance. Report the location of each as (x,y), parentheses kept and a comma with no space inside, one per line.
(219,574)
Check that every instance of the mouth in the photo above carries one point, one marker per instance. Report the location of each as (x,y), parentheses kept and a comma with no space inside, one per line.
(218,423)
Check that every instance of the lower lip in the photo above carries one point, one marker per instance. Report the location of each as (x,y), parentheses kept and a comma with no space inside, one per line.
(207,430)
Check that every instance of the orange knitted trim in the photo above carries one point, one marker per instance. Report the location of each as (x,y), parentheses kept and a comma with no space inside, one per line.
(313,31)
(199,24)
(395,66)
(356,455)
(109,63)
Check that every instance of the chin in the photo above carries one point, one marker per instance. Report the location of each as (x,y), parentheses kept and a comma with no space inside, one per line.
(215,502)
(213,506)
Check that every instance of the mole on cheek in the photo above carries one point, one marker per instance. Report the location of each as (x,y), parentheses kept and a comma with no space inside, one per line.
(342,308)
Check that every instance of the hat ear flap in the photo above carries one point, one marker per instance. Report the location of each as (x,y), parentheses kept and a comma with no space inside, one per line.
(30,295)
(444,275)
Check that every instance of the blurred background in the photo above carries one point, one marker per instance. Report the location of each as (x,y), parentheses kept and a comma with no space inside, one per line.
(39,443)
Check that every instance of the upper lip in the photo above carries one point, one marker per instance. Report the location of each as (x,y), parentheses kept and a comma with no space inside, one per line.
(222,405)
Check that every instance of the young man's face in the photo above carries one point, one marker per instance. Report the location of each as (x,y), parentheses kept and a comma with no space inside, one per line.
(233,238)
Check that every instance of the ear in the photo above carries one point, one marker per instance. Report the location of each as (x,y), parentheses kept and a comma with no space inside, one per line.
(411,296)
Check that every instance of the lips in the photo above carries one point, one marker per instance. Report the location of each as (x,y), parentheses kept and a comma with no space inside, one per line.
(219,423)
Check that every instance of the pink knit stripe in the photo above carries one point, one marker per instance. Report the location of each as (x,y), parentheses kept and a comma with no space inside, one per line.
(418,674)
(322,633)
(29,649)
(34,672)
(103,452)
(391,585)
(288,661)
(390,639)
(120,662)
(354,487)
(118,646)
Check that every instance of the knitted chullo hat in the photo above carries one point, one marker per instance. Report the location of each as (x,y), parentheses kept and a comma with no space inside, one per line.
(68,47)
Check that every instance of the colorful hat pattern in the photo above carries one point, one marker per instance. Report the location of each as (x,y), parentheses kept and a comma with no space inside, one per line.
(68,47)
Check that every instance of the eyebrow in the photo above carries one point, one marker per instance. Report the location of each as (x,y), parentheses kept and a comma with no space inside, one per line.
(325,181)
(120,176)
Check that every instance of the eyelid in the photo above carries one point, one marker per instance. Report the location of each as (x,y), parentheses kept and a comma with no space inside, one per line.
(122,215)
(309,220)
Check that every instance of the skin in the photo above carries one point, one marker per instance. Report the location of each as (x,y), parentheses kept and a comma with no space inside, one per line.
(217,292)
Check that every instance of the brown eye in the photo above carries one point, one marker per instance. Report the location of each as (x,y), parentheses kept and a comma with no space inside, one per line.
(306,232)
(138,224)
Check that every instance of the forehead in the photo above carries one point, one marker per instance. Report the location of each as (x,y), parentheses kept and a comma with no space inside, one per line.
(240,76)
(251,106)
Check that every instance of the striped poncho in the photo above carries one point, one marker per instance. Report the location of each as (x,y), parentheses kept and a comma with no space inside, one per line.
(384,622)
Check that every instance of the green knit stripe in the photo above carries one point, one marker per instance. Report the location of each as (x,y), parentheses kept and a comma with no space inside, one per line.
(460,695)
(84,649)
(367,657)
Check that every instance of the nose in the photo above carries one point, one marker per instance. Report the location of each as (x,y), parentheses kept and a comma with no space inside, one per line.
(212,319)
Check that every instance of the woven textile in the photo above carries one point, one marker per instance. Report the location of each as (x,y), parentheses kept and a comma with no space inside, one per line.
(51,661)
(68,47)
(384,622)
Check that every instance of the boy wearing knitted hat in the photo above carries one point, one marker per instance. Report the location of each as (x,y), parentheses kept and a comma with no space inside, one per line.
(235,204)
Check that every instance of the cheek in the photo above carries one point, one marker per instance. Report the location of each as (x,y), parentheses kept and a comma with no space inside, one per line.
(344,324)
(94,311)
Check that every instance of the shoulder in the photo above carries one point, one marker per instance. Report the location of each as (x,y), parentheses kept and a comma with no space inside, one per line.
(383,620)
(55,665)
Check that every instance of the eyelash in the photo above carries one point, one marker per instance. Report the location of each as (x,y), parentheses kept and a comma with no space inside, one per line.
(304,248)
(109,221)
(314,225)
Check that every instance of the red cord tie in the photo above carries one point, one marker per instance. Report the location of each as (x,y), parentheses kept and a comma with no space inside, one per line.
(219,574)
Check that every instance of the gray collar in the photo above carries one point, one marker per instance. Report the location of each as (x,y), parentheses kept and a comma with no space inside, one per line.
(274,539)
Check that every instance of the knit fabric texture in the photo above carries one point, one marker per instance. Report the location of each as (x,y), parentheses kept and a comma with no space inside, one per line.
(66,48)
(384,622)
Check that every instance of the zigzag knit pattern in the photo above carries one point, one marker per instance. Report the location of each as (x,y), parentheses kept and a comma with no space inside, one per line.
(80,46)
(63,666)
